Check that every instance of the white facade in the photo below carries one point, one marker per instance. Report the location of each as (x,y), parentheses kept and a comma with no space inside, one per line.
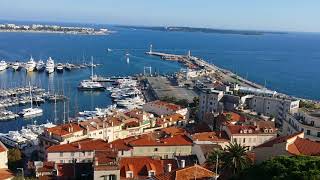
(272,106)
(209,102)
(302,121)
(68,157)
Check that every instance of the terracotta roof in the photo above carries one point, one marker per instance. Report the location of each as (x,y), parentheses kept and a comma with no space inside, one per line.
(170,106)
(234,117)
(121,144)
(173,130)
(213,136)
(65,129)
(188,173)
(148,140)
(3,148)
(303,146)
(6,174)
(47,167)
(249,129)
(199,127)
(85,145)
(280,139)
(170,118)
(140,166)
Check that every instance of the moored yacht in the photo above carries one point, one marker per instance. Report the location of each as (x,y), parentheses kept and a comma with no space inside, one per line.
(50,65)
(31,112)
(3,65)
(40,66)
(59,67)
(16,66)
(68,67)
(31,65)
(90,85)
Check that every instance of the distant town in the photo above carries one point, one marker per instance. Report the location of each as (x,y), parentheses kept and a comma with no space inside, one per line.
(42,28)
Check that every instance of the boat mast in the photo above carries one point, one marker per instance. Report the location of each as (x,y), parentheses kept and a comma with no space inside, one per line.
(30,95)
(92,68)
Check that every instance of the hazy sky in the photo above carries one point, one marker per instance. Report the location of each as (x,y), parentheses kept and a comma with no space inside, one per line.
(292,15)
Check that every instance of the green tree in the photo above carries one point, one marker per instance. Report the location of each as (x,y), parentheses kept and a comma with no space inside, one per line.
(284,167)
(14,159)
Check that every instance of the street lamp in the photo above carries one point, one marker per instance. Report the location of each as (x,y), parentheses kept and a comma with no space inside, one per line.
(21,172)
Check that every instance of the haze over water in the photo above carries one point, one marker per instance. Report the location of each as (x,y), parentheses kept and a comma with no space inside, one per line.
(289,63)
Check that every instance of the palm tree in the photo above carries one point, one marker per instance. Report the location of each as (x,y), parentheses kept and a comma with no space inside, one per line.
(235,157)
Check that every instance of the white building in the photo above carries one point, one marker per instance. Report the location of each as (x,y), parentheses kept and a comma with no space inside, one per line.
(209,103)
(303,121)
(273,106)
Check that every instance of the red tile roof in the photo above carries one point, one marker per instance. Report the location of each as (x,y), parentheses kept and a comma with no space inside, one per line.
(188,173)
(6,174)
(64,129)
(249,129)
(170,106)
(148,140)
(304,147)
(173,130)
(85,145)
(234,117)
(170,118)
(214,136)
(121,144)
(140,166)
(279,140)
(3,148)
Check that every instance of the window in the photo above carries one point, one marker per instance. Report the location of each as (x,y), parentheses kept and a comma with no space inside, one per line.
(235,140)
(129,174)
(61,161)
(61,154)
(70,161)
(318,134)
(72,154)
(89,153)
(308,132)
(155,149)
(151,173)
(244,140)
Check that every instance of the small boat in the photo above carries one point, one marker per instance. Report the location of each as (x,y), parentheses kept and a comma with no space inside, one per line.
(128,60)
(3,65)
(59,67)
(50,66)
(109,50)
(16,66)
(68,67)
(31,65)
(91,85)
(40,66)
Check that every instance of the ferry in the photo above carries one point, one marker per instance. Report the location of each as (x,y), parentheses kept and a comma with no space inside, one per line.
(31,65)
(40,66)
(3,65)
(50,66)
(16,66)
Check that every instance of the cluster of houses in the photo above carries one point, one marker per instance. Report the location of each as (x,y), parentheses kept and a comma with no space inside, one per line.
(160,141)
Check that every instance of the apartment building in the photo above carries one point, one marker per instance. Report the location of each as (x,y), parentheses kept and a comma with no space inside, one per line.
(273,106)
(210,103)
(307,121)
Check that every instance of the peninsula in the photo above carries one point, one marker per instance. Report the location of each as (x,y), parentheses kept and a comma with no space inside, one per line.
(42,28)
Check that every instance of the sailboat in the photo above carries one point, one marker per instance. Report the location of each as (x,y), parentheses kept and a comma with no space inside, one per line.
(90,84)
(29,112)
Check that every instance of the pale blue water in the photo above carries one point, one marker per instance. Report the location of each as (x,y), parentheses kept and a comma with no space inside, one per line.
(289,63)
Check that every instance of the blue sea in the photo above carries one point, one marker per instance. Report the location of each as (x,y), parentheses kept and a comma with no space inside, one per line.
(288,63)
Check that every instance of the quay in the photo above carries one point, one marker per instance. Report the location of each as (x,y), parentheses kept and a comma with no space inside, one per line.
(193,62)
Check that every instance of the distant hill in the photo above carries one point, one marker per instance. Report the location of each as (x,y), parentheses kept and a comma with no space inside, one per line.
(204,30)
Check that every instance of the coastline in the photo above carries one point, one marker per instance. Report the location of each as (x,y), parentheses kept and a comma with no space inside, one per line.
(57,32)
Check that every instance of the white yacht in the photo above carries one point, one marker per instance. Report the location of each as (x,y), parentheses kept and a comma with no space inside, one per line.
(90,84)
(3,65)
(16,66)
(50,65)
(40,66)
(59,67)
(31,65)
(31,112)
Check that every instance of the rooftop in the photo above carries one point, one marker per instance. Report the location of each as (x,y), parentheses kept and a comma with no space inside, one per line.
(64,129)
(171,106)
(251,129)
(84,145)
(214,136)
(150,140)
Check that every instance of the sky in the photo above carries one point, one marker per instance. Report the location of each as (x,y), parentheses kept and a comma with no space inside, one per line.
(283,15)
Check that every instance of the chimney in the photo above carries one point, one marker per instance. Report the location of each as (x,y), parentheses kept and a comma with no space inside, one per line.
(79,145)
(183,163)
(111,146)
(96,162)
(169,167)
(69,129)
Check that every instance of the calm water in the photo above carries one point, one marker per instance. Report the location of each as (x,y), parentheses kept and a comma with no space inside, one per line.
(288,63)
